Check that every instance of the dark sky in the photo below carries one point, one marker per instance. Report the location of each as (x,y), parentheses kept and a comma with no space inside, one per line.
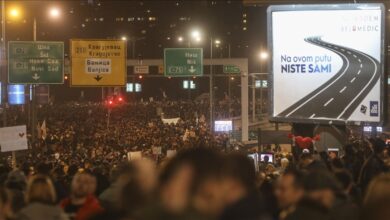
(154,25)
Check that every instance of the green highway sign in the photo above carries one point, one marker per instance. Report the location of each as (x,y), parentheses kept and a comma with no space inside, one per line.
(35,62)
(183,62)
(231,69)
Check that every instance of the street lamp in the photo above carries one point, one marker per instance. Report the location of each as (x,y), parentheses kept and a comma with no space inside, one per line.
(54,12)
(263,55)
(14,13)
(195,34)
(124,38)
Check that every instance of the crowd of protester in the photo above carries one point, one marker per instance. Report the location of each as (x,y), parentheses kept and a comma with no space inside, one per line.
(80,169)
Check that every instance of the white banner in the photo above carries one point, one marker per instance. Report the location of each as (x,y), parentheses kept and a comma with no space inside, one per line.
(170,120)
(13,138)
(327,62)
(134,155)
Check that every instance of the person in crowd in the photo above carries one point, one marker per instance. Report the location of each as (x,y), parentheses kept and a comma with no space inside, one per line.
(377,199)
(374,164)
(5,204)
(40,199)
(289,191)
(240,198)
(309,163)
(320,187)
(120,176)
(16,183)
(378,189)
(81,204)
(189,186)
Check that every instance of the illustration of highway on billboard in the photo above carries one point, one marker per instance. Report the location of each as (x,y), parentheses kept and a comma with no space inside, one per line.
(327,63)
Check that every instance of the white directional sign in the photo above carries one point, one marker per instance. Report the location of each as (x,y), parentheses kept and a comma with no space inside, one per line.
(327,63)
(141,69)
(13,138)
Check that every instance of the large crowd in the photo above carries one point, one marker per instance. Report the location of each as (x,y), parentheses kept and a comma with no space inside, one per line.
(79,168)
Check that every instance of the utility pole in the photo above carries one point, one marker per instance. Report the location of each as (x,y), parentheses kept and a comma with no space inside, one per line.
(3,65)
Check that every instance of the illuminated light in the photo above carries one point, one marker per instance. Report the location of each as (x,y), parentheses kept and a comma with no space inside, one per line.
(124,38)
(180,39)
(54,12)
(195,34)
(120,99)
(263,55)
(66,77)
(194,77)
(244,28)
(198,39)
(169,77)
(140,77)
(217,42)
(110,102)
(244,21)
(14,12)
(231,78)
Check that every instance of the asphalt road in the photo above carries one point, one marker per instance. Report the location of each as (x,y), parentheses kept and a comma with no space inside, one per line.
(339,96)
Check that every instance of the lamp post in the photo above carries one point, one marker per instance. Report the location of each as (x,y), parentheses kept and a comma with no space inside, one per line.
(263,57)
(211,87)
(54,13)
(3,64)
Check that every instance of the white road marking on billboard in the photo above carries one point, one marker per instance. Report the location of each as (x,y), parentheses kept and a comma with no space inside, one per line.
(329,101)
(342,90)
(345,70)
(372,77)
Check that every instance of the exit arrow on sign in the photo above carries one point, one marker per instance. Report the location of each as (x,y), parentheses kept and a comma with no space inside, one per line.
(192,70)
(98,78)
(36,76)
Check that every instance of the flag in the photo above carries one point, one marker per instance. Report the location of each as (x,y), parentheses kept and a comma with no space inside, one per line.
(39,133)
(43,130)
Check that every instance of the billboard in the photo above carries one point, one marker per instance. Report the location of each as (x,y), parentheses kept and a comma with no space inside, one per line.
(327,63)
(98,62)
(16,94)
